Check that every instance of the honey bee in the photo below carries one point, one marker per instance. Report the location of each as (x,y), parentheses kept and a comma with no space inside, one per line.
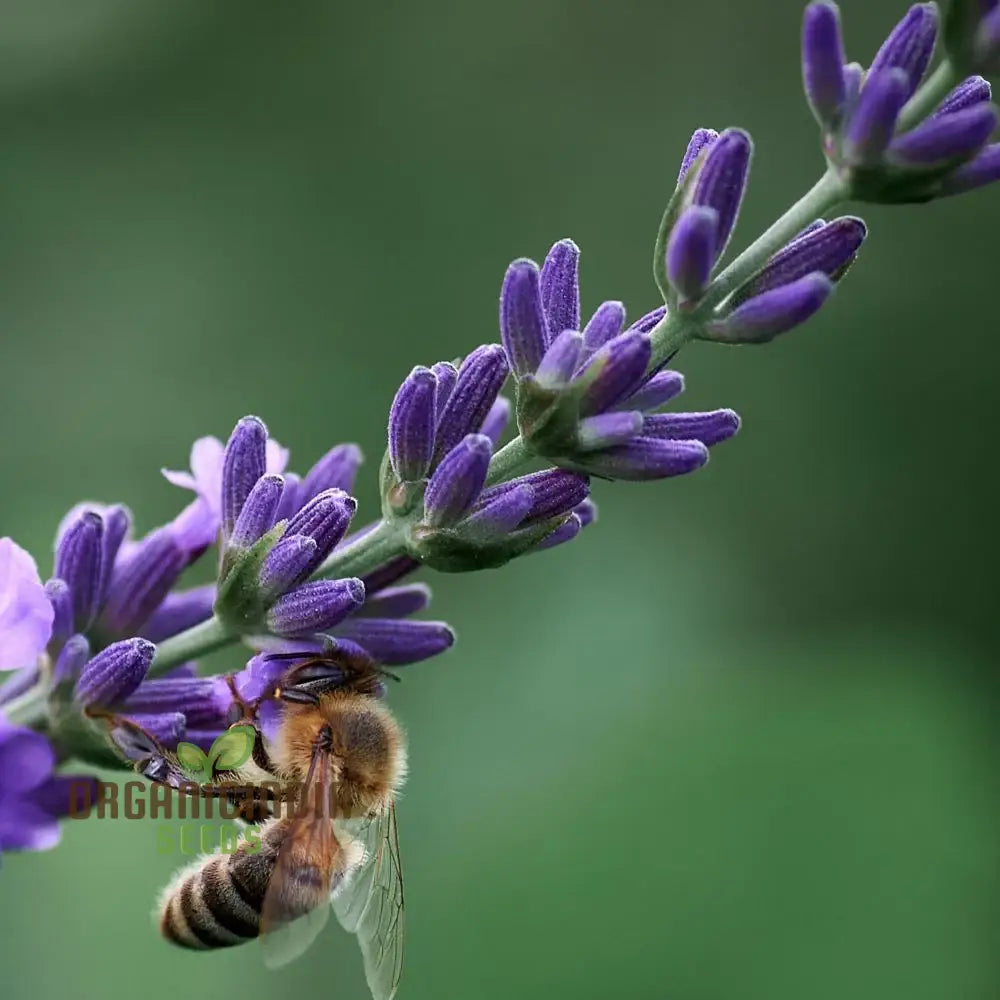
(342,755)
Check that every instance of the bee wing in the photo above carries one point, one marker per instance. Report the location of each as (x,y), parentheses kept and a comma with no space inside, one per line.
(370,904)
(294,909)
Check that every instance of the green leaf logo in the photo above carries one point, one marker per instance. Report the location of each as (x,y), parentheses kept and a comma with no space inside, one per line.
(230,750)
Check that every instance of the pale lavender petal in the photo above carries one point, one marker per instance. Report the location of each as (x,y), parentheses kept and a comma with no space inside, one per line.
(26,613)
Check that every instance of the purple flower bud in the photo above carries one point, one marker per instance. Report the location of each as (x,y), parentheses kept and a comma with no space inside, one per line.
(607,429)
(497,419)
(141,581)
(336,470)
(179,611)
(288,563)
(61,600)
(446,374)
(708,428)
(909,46)
(79,562)
(645,458)
(618,368)
(411,425)
(762,318)
(823,63)
(553,492)
(722,181)
(691,250)
(244,462)
(394,642)
(606,323)
(870,129)
(646,323)
(946,137)
(500,511)
(204,701)
(559,285)
(111,676)
(457,481)
(829,249)
(523,329)
(257,516)
(315,607)
(325,519)
(397,602)
(71,660)
(476,389)
(560,360)
(655,391)
(983,170)
(291,497)
(566,532)
(971,91)
(703,138)
(117,522)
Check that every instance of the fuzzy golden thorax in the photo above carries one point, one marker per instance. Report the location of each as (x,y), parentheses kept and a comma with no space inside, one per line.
(368,750)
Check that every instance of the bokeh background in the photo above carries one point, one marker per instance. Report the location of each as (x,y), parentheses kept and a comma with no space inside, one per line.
(740,740)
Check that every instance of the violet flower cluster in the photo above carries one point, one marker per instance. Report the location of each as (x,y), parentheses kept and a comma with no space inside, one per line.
(111,634)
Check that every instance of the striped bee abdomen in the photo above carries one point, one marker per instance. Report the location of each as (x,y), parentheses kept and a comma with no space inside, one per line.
(217,901)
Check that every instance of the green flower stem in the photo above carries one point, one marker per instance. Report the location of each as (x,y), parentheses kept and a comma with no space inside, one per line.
(929,96)
(676,328)
(189,645)
(371,550)
(29,709)
(508,460)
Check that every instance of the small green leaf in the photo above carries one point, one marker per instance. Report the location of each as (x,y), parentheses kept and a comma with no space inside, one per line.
(192,758)
(233,748)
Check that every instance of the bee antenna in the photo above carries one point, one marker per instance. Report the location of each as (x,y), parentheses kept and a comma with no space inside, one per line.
(390,675)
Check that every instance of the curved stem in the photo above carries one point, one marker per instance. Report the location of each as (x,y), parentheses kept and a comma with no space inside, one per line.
(189,645)
(368,552)
(508,460)
(929,96)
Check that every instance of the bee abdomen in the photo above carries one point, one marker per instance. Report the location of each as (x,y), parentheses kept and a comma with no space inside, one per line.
(218,903)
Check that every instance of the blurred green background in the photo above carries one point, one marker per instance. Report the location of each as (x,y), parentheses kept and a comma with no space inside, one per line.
(740,740)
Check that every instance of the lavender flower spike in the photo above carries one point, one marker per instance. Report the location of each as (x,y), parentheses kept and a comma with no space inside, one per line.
(26,615)
(111,676)
(411,425)
(823,63)
(243,464)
